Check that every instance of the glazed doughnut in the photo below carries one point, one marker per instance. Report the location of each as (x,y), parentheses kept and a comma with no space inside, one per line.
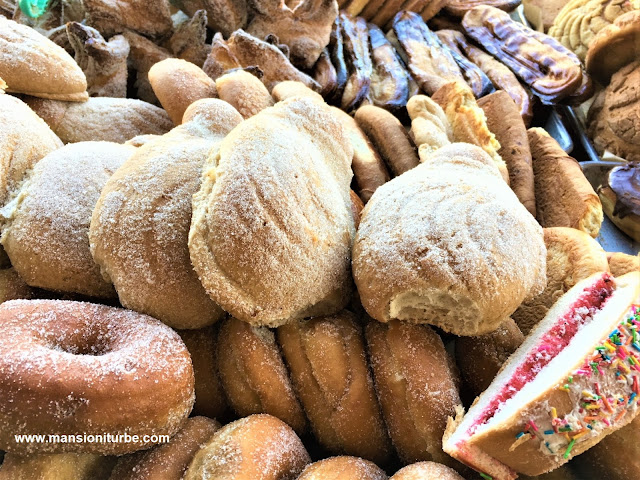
(168,461)
(343,468)
(140,225)
(572,255)
(177,84)
(415,385)
(56,466)
(12,287)
(74,368)
(328,365)
(254,376)
(46,229)
(480,358)
(210,397)
(426,471)
(244,91)
(259,447)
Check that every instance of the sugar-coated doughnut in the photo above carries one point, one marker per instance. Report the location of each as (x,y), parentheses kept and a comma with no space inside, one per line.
(448,244)
(253,374)
(56,466)
(140,224)
(168,461)
(72,368)
(211,400)
(415,385)
(426,471)
(343,468)
(328,365)
(46,234)
(258,447)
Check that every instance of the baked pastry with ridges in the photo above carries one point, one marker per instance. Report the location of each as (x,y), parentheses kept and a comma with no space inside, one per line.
(448,244)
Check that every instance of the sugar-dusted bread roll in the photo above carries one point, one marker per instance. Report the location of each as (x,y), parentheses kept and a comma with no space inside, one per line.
(32,64)
(272,229)
(416,387)
(621,263)
(448,244)
(102,119)
(258,447)
(504,120)
(343,468)
(426,471)
(46,229)
(328,365)
(244,91)
(170,460)
(564,197)
(141,222)
(253,374)
(68,466)
(177,84)
(572,255)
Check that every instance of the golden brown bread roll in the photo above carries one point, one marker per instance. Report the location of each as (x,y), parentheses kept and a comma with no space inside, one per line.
(259,447)
(564,197)
(25,139)
(468,121)
(389,138)
(621,263)
(244,91)
(45,230)
(572,255)
(290,88)
(253,374)
(170,460)
(177,84)
(141,222)
(426,471)
(327,361)
(504,120)
(12,287)
(448,244)
(85,122)
(67,466)
(211,400)
(430,128)
(32,64)
(480,358)
(272,230)
(415,386)
(343,468)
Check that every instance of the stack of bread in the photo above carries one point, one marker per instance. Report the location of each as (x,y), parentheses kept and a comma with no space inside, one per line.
(227,277)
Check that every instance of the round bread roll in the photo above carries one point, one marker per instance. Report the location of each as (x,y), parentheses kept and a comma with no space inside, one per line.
(177,84)
(210,397)
(272,229)
(168,461)
(621,263)
(67,466)
(259,447)
(343,468)
(426,471)
(328,366)
(480,358)
(254,376)
(124,119)
(244,91)
(32,64)
(290,88)
(572,255)
(416,388)
(140,225)
(12,287)
(449,244)
(46,228)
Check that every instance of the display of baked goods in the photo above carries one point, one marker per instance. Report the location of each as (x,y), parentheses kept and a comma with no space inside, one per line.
(275,240)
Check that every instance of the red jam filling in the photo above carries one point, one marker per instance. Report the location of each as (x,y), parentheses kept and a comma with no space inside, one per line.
(552,342)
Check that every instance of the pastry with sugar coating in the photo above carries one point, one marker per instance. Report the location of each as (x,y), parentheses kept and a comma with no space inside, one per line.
(426,471)
(448,244)
(272,229)
(343,468)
